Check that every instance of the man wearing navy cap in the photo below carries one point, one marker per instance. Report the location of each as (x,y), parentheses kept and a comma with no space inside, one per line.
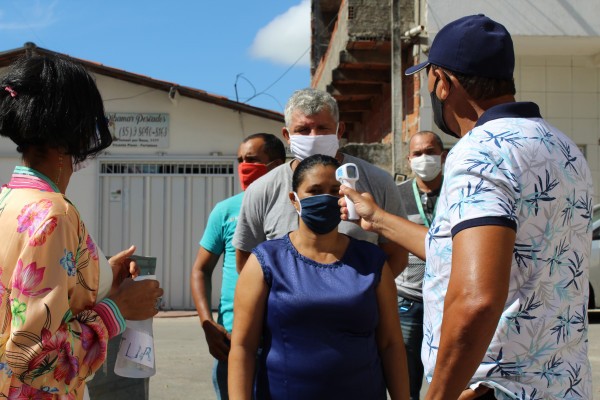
(506,281)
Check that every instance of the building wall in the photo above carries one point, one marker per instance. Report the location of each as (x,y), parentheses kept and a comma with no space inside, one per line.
(567,89)
(548,18)
(378,154)
(378,123)
(196,127)
(321,70)
(369,19)
(412,101)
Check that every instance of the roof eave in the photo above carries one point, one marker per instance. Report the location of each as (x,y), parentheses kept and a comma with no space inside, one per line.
(7,57)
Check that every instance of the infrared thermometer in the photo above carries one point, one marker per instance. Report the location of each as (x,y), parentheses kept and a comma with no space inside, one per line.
(347,175)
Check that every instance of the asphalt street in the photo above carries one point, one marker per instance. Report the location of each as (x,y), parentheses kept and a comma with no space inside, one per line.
(184,364)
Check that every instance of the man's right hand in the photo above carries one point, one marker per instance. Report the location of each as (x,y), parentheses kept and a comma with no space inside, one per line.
(365,207)
(218,339)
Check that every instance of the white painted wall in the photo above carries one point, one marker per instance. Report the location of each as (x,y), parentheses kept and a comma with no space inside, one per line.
(567,89)
(196,127)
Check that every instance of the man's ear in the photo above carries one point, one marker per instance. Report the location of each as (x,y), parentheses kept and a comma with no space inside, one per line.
(275,163)
(444,83)
(286,134)
(444,154)
(341,129)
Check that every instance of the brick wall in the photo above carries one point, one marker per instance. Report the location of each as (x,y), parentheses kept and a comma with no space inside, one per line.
(378,123)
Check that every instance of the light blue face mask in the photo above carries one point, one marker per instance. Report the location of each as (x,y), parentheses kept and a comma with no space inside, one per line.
(320,213)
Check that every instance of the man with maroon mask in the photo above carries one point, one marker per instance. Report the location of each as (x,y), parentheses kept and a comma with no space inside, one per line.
(258,154)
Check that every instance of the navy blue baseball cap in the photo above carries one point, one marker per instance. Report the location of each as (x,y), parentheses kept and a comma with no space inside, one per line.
(474,45)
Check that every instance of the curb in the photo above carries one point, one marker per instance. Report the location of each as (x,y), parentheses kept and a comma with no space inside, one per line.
(175,314)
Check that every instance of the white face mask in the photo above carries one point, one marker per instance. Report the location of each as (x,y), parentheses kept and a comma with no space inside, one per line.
(426,167)
(78,166)
(303,146)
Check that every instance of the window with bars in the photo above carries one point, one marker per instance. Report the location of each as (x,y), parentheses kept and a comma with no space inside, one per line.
(168,168)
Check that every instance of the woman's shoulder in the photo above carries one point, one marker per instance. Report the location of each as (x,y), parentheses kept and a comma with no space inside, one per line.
(268,255)
(52,203)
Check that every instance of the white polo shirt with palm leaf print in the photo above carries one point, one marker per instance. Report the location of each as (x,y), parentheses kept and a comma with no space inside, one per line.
(516,170)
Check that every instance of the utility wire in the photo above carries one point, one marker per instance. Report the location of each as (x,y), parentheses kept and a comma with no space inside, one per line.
(264,91)
(280,77)
(237,77)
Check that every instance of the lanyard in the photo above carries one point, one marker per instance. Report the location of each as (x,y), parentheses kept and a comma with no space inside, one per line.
(426,220)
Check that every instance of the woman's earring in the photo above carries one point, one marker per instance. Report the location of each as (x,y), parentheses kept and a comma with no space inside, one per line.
(60,167)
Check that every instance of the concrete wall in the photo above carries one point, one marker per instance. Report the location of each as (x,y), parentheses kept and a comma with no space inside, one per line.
(369,19)
(379,154)
(372,18)
(330,60)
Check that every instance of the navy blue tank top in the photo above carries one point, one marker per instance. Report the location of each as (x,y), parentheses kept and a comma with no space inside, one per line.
(319,337)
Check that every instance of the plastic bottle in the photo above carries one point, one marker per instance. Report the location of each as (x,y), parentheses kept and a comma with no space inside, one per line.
(136,351)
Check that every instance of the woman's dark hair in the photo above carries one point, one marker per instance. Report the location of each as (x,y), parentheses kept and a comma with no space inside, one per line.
(309,163)
(51,101)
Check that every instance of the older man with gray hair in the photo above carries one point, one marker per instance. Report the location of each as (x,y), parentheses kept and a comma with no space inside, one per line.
(312,126)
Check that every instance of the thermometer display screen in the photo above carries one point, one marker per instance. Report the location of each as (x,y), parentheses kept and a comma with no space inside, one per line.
(351,172)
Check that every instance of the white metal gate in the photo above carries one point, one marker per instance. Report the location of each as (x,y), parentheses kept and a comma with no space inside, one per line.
(162,208)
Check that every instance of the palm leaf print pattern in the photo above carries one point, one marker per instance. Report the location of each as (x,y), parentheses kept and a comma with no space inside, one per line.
(523,174)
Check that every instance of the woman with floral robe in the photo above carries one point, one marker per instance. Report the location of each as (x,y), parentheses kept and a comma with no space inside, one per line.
(60,299)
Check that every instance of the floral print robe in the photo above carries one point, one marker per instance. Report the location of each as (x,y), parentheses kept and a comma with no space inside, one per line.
(53,335)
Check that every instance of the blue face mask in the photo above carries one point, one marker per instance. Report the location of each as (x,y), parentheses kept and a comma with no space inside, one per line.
(320,213)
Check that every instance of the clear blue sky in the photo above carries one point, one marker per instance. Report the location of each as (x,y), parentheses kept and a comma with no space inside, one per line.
(204,44)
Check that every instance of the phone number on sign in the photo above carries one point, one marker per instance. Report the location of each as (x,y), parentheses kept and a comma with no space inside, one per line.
(127,132)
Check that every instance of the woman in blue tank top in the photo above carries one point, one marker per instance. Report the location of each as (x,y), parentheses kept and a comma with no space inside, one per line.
(323,304)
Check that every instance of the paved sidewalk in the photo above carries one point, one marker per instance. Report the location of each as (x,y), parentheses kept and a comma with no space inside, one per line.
(183,363)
